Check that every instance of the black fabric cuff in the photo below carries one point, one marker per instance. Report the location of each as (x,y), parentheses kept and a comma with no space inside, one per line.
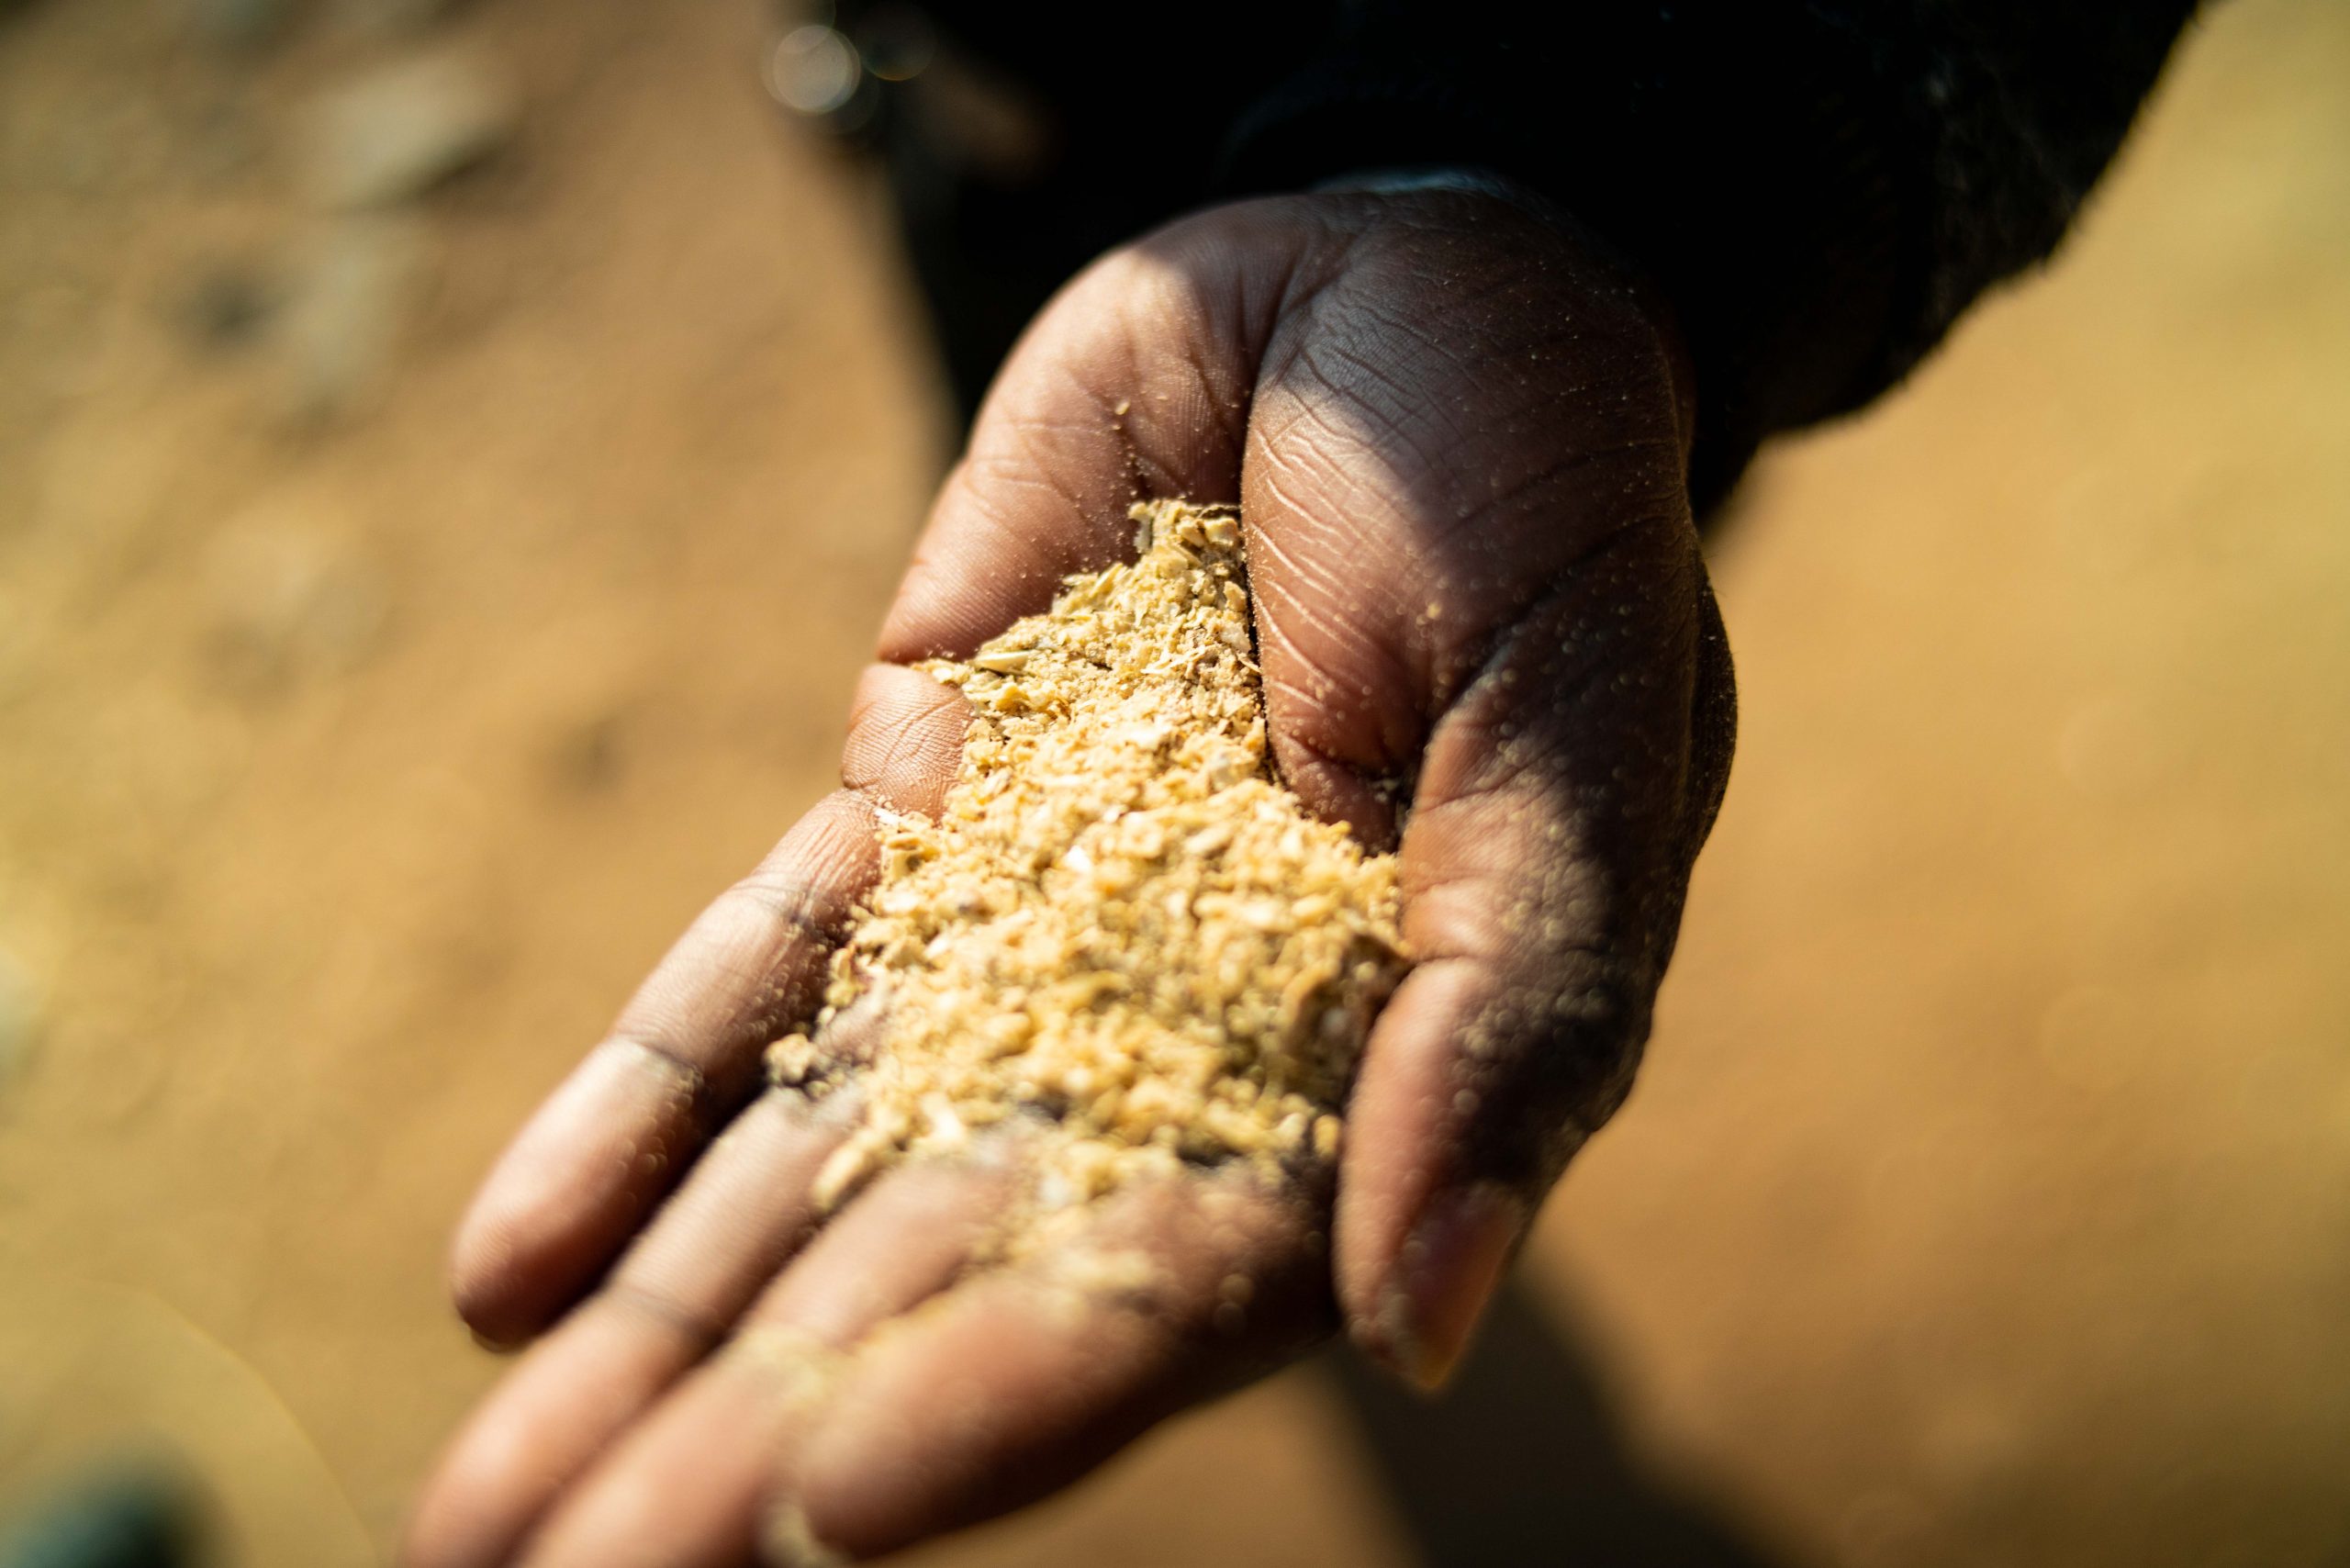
(1729,158)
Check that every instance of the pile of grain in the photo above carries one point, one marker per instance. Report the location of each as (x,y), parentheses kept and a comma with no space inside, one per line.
(1120,927)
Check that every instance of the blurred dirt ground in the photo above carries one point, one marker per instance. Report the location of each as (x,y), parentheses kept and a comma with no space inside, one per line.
(408,617)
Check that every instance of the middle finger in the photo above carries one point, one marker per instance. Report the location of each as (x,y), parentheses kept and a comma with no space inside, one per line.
(740,1214)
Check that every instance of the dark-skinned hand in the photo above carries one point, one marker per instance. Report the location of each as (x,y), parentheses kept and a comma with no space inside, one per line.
(1458,434)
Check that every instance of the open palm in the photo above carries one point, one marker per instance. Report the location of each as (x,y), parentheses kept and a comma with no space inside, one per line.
(1458,438)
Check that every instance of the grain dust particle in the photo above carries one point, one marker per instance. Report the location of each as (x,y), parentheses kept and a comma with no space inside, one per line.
(1121,933)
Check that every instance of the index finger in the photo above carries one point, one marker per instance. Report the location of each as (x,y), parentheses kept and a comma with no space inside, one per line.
(684,1054)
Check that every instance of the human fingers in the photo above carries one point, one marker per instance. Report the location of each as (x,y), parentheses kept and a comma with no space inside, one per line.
(684,1054)
(1024,1378)
(1482,616)
(1560,806)
(856,1415)
(688,1484)
(737,1218)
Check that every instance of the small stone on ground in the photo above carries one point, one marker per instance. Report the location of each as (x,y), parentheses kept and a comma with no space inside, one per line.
(400,130)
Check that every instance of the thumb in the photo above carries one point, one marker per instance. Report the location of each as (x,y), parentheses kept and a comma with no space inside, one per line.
(1561,802)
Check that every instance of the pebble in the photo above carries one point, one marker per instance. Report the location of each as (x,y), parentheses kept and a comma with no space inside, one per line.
(401,129)
(340,330)
(228,306)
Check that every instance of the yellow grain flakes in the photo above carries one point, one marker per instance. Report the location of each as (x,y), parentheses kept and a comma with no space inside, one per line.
(1121,928)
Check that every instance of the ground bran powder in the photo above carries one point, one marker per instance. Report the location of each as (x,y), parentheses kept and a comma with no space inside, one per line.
(1121,931)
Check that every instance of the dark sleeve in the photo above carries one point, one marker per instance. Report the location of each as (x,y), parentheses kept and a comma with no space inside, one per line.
(1819,187)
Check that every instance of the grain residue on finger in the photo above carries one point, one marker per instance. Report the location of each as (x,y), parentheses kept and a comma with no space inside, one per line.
(1120,925)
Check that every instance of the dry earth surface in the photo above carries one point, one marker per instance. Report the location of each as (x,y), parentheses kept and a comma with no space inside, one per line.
(408,617)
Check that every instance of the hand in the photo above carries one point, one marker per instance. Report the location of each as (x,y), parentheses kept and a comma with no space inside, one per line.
(1459,436)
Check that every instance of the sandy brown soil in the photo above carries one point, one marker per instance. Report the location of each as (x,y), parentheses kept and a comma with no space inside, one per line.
(1987,1196)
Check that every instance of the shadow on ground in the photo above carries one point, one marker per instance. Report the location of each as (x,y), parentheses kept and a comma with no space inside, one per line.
(1520,1461)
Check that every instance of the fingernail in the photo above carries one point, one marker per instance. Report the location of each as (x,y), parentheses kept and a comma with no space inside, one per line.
(1447,1271)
